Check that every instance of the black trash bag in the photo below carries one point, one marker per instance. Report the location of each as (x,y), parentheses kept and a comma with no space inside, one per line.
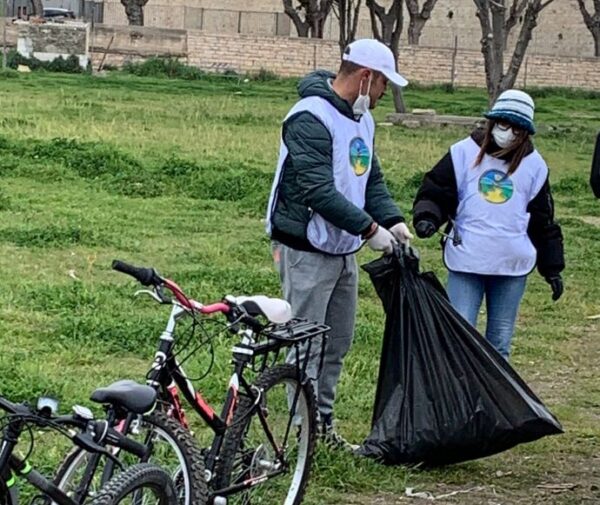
(444,394)
(595,174)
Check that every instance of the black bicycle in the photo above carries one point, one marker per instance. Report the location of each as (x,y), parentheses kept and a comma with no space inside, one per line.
(264,437)
(83,473)
(141,484)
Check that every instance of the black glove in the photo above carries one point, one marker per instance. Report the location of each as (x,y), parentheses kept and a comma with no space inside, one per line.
(556,284)
(425,228)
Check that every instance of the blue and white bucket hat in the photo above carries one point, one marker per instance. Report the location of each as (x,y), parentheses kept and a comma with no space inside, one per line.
(515,107)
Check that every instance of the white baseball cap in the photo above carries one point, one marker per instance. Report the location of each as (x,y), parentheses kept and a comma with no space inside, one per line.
(371,53)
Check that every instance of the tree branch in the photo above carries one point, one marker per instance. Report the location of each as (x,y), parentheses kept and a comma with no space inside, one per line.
(418,18)
(375,12)
(300,24)
(543,6)
(529,23)
(587,17)
(516,9)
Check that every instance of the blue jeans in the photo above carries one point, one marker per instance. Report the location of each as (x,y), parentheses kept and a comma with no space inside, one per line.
(502,297)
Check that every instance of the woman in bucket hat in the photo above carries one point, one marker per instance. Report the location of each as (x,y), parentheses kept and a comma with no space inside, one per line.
(492,189)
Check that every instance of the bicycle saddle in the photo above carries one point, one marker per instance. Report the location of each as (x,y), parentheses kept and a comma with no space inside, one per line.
(127,394)
(274,309)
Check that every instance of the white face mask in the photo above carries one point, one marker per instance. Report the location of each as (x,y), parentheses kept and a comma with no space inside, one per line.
(503,137)
(363,102)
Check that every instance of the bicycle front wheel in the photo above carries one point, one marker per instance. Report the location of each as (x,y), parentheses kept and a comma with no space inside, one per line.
(270,444)
(172,448)
(141,484)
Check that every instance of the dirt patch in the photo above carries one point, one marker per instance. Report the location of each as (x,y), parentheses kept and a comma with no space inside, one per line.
(593,220)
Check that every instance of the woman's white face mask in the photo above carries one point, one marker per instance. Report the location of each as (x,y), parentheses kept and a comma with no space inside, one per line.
(503,136)
(363,102)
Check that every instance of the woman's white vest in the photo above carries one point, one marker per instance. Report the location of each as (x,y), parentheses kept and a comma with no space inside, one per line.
(492,216)
(352,143)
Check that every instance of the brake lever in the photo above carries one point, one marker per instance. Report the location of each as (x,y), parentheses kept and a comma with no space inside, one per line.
(85,442)
(157,296)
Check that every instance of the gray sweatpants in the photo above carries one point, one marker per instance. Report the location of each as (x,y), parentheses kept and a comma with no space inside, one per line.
(324,289)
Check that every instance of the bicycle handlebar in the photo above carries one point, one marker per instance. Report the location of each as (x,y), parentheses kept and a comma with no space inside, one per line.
(145,276)
(109,434)
(150,277)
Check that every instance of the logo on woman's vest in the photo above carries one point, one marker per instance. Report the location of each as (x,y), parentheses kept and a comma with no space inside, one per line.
(496,187)
(360,157)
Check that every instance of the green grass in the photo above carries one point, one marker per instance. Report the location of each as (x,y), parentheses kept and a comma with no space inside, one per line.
(175,174)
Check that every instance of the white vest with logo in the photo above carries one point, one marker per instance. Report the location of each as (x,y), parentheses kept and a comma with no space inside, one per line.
(492,217)
(352,143)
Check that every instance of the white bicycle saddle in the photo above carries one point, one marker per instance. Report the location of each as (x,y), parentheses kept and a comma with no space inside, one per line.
(276,310)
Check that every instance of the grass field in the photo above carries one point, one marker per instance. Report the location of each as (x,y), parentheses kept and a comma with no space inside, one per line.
(176,174)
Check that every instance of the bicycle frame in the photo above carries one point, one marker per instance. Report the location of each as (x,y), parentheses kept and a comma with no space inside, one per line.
(169,376)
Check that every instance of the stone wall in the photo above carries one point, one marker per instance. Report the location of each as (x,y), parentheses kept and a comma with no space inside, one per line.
(12,32)
(427,65)
(560,29)
(122,44)
(50,40)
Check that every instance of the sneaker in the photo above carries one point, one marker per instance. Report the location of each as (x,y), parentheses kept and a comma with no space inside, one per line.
(333,439)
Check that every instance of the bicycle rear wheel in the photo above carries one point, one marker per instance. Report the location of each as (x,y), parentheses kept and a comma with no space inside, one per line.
(141,484)
(280,470)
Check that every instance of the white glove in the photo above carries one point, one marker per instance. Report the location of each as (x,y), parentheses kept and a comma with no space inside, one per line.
(382,240)
(401,233)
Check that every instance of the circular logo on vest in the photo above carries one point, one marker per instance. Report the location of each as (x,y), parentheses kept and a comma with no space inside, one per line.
(360,156)
(496,187)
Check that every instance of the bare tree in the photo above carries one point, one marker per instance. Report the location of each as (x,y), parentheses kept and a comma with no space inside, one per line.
(37,8)
(134,9)
(592,21)
(347,12)
(387,28)
(315,15)
(418,18)
(493,20)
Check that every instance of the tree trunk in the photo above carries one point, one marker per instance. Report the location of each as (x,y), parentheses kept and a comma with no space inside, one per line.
(498,13)
(347,14)
(415,27)
(418,19)
(592,22)
(315,15)
(399,105)
(302,26)
(491,70)
(37,8)
(387,28)
(134,9)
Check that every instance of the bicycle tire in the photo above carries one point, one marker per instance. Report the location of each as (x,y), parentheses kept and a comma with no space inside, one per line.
(233,452)
(189,453)
(133,480)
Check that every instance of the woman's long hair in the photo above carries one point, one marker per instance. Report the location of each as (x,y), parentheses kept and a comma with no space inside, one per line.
(514,153)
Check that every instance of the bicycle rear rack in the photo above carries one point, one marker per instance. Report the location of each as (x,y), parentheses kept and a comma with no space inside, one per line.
(274,338)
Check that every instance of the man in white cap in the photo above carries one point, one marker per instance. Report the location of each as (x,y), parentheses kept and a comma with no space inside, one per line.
(329,196)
